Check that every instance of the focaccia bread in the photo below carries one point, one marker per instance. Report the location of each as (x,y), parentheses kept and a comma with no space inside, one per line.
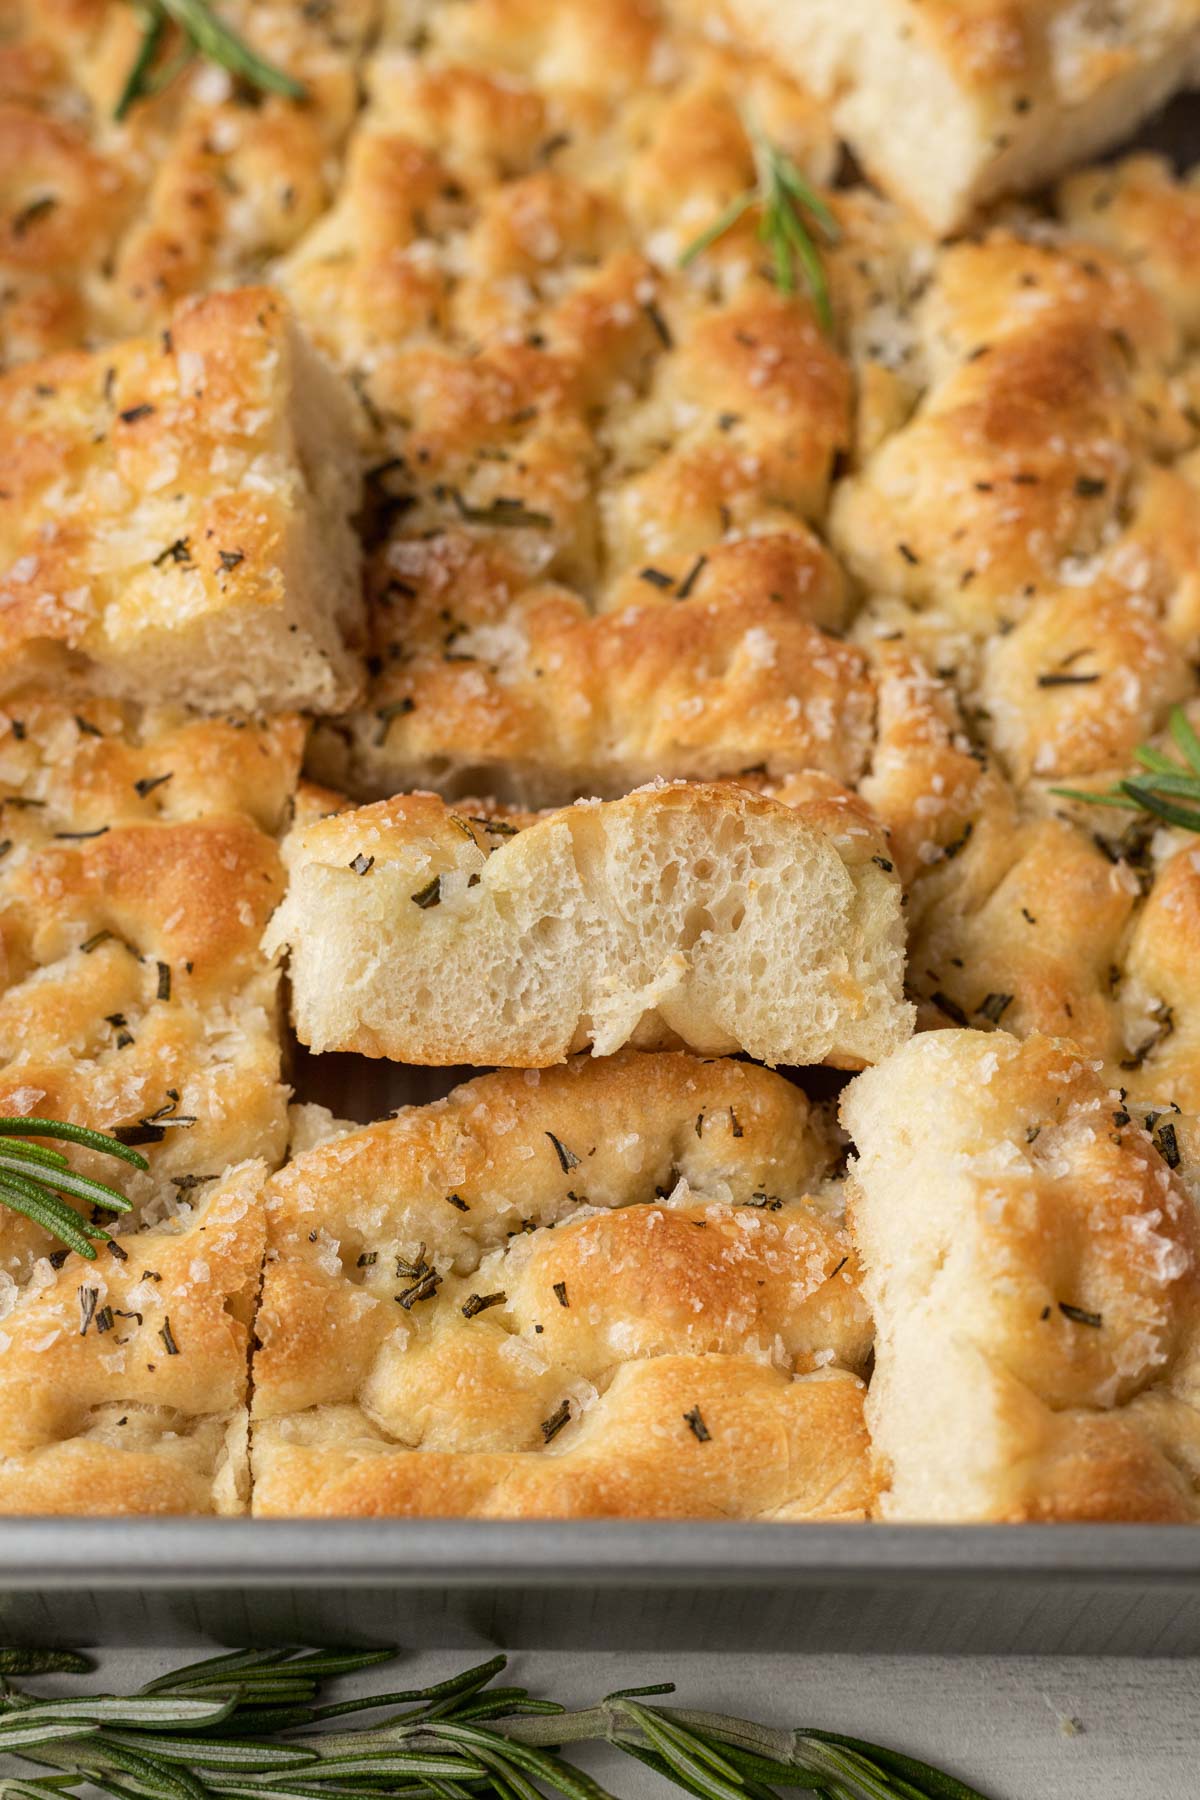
(107,222)
(1046,380)
(1030,1260)
(138,867)
(948,103)
(704,915)
(124,1381)
(591,471)
(707,665)
(1033,912)
(607,1289)
(178,509)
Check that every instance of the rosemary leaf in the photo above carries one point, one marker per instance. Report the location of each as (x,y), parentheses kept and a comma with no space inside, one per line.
(205,32)
(1163,776)
(784,198)
(43,1662)
(71,1134)
(461,1739)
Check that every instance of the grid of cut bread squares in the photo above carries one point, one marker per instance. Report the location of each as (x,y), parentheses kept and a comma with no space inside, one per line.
(138,868)
(694,665)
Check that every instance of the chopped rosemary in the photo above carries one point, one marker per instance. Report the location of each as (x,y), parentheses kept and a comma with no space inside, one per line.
(1165,783)
(33,1179)
(1168,1144)
(784,197)
(244,1719)
(567,1159)
(950,1007)
(560,1291)
(477,1303)
(203,33)
(395,709)
(424,1288)
(429,895)
(362,865)
(696,1425)
(168,1336)
(147,783)
(1079,1316)
(507,511)
(558,1418)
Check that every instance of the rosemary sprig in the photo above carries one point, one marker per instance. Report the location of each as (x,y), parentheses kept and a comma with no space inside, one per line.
(784,196)
(203,33)
(33,1177)
(1164,778)
(239,1726)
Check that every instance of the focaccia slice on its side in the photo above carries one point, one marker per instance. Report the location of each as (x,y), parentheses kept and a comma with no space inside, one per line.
(177,509)
(602,1290)
(705,915)
(1030,1259)
(948,104)
(138,868)
(124,1381)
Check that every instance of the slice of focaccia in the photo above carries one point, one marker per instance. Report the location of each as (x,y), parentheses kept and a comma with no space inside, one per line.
(948,103)
(704,665)
(138,867)
(124,1381)
(603,1290)
(705,915)
(1030,1258)
(177,508)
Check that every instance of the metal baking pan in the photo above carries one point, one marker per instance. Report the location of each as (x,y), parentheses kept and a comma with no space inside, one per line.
(1130,1590)
(1084,1590)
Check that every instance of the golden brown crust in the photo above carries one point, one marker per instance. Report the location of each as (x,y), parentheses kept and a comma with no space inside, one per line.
(630,1237)
(1049,372)
(1031,1262)
(177,508)
(105,224)
(137,872)
(1033,912)
(518,690)
(561,418)
(124,1382)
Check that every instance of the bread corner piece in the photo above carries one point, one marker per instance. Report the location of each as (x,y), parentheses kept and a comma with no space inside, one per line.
(177,508)
(1030,1257)
(948,104)
(124,1382)
(620,1288)
(701,915)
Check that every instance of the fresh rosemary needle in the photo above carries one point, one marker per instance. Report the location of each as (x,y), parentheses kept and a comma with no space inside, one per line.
(1165,783)
(784,197)
(240,1726)
(203,33)
(33,1179)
